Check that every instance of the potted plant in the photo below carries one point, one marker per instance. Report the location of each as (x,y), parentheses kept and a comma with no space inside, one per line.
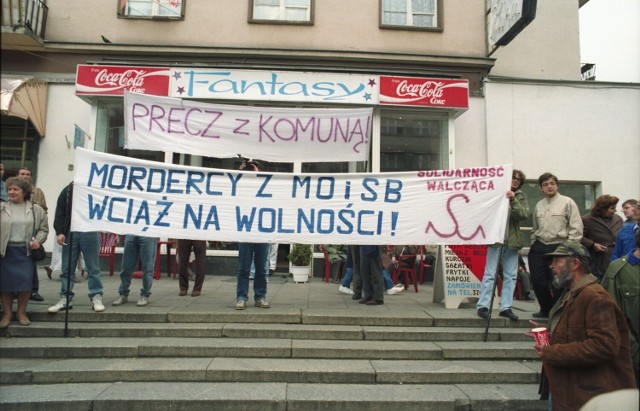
(300,262)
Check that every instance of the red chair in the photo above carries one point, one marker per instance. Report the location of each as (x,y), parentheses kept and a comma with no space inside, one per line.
(423,262)
(108,244)
(408,260)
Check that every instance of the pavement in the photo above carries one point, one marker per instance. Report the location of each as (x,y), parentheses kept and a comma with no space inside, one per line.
(219,295)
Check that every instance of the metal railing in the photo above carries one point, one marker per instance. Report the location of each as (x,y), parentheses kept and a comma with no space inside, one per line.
(28,14)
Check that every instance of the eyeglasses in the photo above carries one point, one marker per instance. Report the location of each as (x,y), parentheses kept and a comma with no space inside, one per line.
(549,184)
(516,178)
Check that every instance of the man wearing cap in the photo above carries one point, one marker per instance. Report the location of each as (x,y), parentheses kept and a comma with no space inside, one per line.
(589,350)
(556,218)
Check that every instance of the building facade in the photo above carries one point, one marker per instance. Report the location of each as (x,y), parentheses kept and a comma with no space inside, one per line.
(525,104)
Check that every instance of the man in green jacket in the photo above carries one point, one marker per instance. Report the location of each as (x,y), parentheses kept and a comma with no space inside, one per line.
(622,281)
(518,211)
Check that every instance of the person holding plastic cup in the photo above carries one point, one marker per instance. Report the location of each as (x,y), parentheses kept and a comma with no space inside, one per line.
(588,352)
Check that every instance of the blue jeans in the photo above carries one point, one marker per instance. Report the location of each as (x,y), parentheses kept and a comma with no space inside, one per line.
(138,247)
(248,253)
(509,276)
(388,282)
(89,245)
(346,278)
(252,271)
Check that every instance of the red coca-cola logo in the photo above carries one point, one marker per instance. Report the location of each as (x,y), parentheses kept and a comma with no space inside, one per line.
(429,92)
(114,80)
(426,89)
(129,78)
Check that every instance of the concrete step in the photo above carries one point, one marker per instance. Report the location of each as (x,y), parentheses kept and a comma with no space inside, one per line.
(99,347)
(261,330)
(369,316)
(205,396)
(233,369)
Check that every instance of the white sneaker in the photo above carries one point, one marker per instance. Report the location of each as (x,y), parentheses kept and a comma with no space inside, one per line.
(394,290)
(60,305)
(142,301)
(345,290)
(399,285)
(120,300)
(96,302)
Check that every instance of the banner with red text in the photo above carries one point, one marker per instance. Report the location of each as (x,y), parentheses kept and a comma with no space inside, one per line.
(131,196)
(266,133)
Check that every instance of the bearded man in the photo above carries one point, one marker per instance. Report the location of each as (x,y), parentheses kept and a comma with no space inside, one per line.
(589,350)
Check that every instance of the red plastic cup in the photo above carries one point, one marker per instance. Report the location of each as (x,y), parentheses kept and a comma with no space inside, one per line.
(541,335)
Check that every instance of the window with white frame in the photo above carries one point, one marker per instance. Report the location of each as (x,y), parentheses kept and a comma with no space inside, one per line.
(281,11)
(411,14)
(151,9)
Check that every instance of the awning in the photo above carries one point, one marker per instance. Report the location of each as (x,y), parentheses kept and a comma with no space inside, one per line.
(25,97)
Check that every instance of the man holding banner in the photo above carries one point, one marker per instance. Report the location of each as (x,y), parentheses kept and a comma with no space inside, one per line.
(518,212)
(256,253)
(74,242)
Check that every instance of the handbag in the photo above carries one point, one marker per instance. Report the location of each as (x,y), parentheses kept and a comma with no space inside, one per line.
(38,254)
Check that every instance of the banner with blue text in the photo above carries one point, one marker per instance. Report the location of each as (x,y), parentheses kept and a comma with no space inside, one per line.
(131,196)
(266,133)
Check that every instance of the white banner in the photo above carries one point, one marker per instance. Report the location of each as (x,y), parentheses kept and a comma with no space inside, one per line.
(130,196)
(266,133)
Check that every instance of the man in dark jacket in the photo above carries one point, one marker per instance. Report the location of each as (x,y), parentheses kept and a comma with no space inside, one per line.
(88,243)
(589,350)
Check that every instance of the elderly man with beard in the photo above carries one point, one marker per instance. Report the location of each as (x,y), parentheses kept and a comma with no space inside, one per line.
(589,350)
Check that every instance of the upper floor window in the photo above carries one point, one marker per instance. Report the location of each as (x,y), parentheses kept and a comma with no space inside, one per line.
(411,14)
(151,9)
(281,11)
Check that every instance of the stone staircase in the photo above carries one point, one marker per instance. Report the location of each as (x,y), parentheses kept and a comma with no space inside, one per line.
(315,349)
(280,359)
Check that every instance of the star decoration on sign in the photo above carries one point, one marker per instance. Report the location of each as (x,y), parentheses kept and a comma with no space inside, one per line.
(367,96)
(372,82)
(177,75)
(180,90)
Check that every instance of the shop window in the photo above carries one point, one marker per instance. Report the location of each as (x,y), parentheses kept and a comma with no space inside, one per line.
(19,146)
(151,9)
(110,132)
(281,11)
(413,141)
(584,194)
(411,14)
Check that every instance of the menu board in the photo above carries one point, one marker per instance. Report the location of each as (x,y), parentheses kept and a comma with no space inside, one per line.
(459,273)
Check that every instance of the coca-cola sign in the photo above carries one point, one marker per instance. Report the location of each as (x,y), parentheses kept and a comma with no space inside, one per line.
(430,92)
(114,80)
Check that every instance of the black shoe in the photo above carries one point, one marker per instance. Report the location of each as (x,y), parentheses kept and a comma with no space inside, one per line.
(509,314)
(529,297)
(540,314)
(49,271)
(356,296)
(36,297)
(483,312)
(365,300)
